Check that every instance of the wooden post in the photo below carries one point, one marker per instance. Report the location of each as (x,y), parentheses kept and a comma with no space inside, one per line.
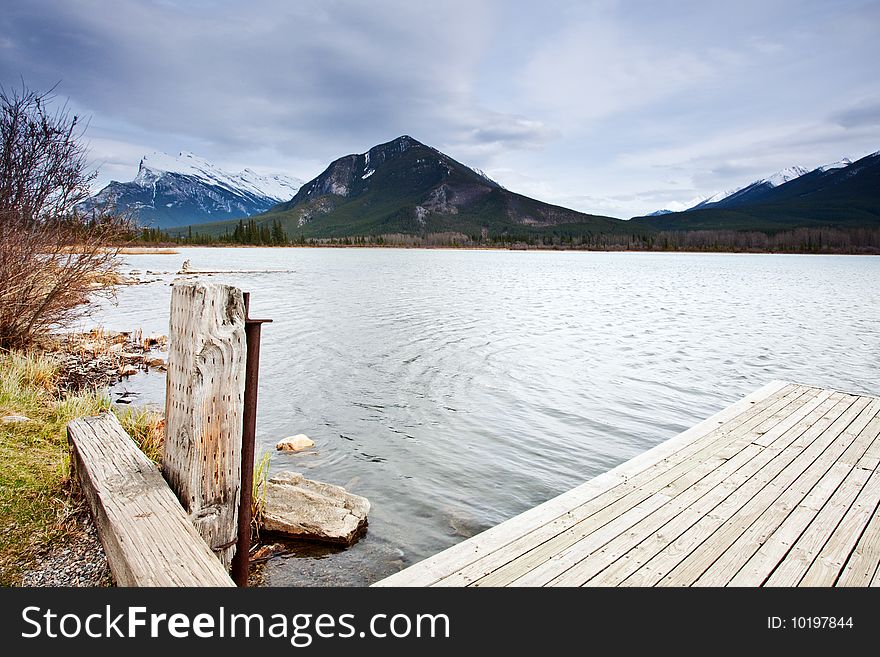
(204,401)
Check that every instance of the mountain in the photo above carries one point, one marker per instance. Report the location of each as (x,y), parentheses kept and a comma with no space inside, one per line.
(171,191)
(843,194)
(752,192)
(404,186)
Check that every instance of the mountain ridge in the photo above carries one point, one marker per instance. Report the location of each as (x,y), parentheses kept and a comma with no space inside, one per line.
(172,191)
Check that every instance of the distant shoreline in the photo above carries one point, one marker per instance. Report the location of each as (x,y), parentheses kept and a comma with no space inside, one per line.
(170,249)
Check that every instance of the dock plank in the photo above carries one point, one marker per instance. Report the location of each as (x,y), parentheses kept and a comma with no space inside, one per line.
(746,530)
(827,565)
(761,565)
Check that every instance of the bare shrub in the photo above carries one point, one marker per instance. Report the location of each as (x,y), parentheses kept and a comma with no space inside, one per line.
(52,259)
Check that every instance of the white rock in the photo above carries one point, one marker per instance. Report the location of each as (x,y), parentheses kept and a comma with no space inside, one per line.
(295,443)
(300,508)
(14,419)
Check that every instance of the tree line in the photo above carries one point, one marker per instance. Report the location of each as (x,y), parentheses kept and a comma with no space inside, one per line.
(798,240)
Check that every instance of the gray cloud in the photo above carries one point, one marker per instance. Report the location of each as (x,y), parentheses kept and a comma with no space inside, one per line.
(865,113)
(587,103)
(302,76)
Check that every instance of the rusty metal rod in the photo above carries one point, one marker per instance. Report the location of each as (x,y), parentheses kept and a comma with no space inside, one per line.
(241,560)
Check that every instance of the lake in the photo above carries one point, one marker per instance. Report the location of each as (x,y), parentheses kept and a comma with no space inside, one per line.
(455,389)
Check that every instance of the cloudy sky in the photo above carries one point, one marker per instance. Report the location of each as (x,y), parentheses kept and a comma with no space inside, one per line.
(610,107)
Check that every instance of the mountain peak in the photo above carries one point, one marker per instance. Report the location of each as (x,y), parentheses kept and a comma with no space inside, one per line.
(405,186)
(783,176)
(396,146)
(843,162)
(175,190)
(842,192)
(406,140)
(756,186)
(275,186)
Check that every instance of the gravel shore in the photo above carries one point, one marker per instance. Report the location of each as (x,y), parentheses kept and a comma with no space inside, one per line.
(77,562)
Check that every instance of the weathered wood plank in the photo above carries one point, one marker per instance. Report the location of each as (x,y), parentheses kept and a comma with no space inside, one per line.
(782,497)
(715,561)
(759,567)
(204,402)
(146,534)
(864,560)
(797,562)
(714,480)
(827,566)
(634,560)
(870,460)
(667,559)
(583,561)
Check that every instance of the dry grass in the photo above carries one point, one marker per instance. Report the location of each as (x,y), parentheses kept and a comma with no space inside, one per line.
(139,250)
(146,427)
(258,499)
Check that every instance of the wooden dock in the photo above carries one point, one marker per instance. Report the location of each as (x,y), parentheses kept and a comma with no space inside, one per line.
(779,489)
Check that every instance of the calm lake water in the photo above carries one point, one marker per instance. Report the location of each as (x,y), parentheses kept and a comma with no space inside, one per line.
(456,389)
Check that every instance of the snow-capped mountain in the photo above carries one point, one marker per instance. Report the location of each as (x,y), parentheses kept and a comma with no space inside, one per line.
(171,191)
(842,194)
(840,164)
(753,190)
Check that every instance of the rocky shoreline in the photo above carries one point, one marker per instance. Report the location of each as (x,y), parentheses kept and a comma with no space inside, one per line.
(99,359)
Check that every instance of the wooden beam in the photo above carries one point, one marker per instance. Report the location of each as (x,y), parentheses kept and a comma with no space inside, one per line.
(145,532)
(204,402)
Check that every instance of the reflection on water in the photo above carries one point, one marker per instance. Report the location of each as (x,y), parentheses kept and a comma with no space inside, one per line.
(455,389)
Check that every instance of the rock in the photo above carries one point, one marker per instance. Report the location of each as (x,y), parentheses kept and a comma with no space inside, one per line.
(155,340)
(14,419)
(295,443)
(158,363)
(126,371)
(300,508)
(265,551)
